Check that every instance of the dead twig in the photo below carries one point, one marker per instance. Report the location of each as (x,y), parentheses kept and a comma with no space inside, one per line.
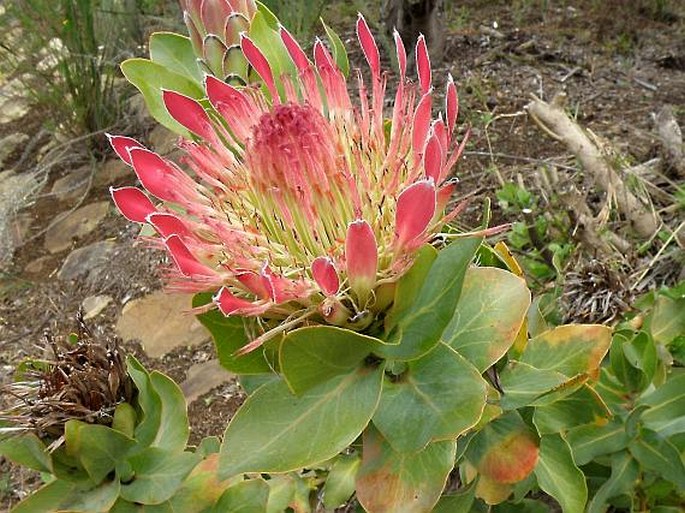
(552,119)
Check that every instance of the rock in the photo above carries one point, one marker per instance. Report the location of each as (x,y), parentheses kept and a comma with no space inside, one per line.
(162,140)
(87,260)
(75,225)
(19,228)
(9,145)
(13,109)
(161,322)
(113,172)
(38,265)
(202,377)
(73,185)
(15,192)
(93,305)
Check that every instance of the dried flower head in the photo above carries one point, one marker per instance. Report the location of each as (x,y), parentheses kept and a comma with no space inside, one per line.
(299,203)
(79,378)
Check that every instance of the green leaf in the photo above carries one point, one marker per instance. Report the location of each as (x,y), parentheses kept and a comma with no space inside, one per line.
(491,310)
(589,441)
(27,450)
(460,502)
(570,350)
(158,475)
(148,400)
(339,52)
(276,431)
(523,383)
(389,481)
(668,319)
(584,406)
(340,482)
(525,506)
(201,489)
(174,428)
(46,499)
(312,355)
(419,329)
(410,284)
(633,359)
(165,419)
(624,473)
(97,448)
(438,397)
(229,336)
(559,476)
(150,78)
(666,415)
(96,500)
(659,455)
(247,497)
(175,52)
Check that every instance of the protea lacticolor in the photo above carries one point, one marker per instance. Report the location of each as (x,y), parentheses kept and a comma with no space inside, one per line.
(297,203)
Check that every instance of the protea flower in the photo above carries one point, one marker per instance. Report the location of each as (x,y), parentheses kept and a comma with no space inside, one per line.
(214,27)
(300,205)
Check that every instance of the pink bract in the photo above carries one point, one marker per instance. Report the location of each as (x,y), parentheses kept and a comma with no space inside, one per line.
(294,199)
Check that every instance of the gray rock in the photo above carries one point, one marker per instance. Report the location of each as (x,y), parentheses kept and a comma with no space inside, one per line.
(73,185)
(162,140)
(202,377)
(93,305)
(161,322)
(88,260)
(75,225)
(9,145)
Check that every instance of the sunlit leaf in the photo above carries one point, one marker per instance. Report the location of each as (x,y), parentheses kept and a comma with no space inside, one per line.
(175,52)
(389,481)
(490,312)
(276,431)
(438,397)
(559,476)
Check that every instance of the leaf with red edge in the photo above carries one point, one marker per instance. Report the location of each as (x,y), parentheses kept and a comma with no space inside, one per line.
(451,104)
(189,113)
(294,49)
(432,159)
(389,481)
(423,64)
(325,275)
(158,176)
(121,146)
(415,210)
(369,47)
(184,259)
(169,224)
(257,60)
(421,125)
(401,54)
(132,203)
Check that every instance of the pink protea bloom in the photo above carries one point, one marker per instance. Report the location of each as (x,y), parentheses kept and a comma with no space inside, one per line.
(296,202)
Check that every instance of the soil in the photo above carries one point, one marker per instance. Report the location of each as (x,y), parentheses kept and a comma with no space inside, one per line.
(618,62)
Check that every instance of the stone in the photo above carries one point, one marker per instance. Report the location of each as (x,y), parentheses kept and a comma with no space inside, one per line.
(75,225)
(161,322)
(113,172)
(15,191)
(19,228)
(9,144)
(88,260)
(202,377)
(73,185)
(163,140)
(13,109)
(93,305)
(38,265)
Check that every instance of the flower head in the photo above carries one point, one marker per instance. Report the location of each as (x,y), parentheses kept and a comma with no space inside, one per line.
(298,201)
